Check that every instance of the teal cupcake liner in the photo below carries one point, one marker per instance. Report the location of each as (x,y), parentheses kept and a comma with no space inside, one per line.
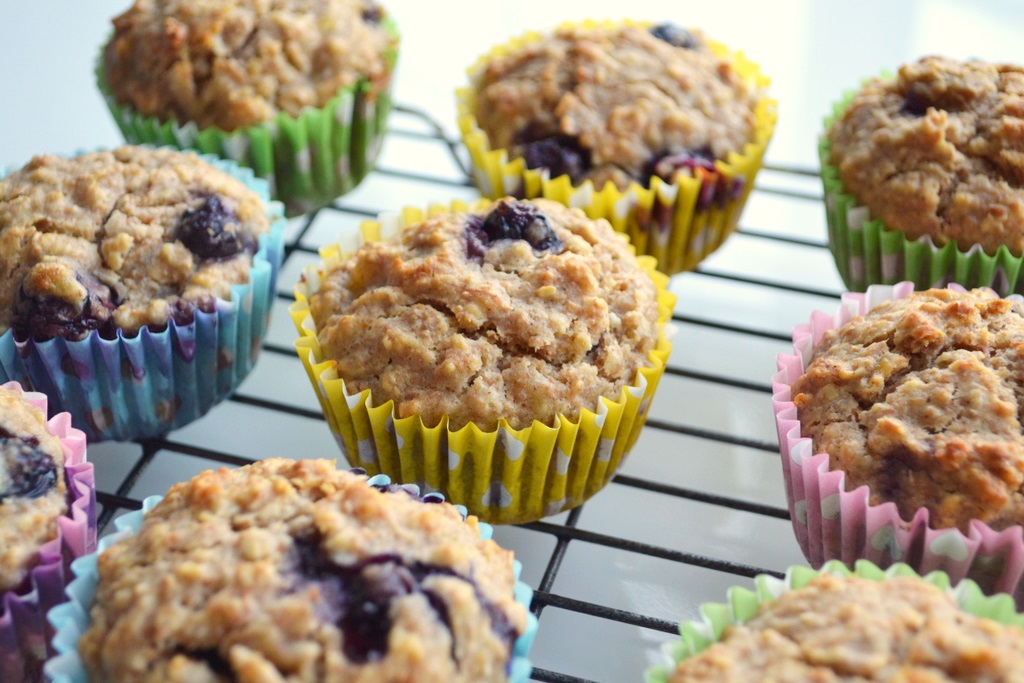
(146,385)
(71,619)
(743,604)
(869,252)
(309,160)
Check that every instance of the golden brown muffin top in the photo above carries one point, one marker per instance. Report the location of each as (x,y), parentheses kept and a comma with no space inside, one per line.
(32,487)
(939,151)
(922,400)
(853,630)
(294,570)
(524,310)
(120,240)
(615,104)
(235,63)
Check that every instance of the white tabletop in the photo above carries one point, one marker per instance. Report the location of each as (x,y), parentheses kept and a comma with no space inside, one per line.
(700,504)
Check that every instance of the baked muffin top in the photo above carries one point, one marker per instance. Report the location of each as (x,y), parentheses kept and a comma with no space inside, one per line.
(524,310)
(922,400)
(32,487)
(615,104)
(120,240)
(852,629)
(293,570)
(939,151)
(235,63)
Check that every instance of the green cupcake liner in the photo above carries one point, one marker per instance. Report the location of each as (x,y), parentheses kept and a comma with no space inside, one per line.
(869,252)
(743,604)
(309,160)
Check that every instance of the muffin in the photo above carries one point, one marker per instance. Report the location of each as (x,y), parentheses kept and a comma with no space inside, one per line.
(135,286)
(294,570)
(838,626)
(47,518)
(655,128)
(911,400)
(298,90)
(504,354)
(923,178)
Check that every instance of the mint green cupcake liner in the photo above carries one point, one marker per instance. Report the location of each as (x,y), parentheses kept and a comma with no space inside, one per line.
(71,619)
(309,160)
(743,604)
(146,385)
(868,252)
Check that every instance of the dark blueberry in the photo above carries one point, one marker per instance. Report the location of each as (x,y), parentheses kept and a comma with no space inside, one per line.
(372,13)
(560,154)
(915,102)
(213,660)
(204,230)
(183,312)
(515,220)
(45,317)
(358,470)
(358,597)
(674,35)
(32,473)
(665,166)
(476,239)
(433,498)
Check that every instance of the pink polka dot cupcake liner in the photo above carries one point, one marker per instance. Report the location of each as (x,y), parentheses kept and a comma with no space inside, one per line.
(24,632)
(832,523)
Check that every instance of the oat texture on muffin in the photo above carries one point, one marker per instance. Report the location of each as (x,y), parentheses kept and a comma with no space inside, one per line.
(620,104)
(938,151)
(855,629)
(522,311)
(234,64)
(32,487)
(293,570)
(120,240)
(921,400)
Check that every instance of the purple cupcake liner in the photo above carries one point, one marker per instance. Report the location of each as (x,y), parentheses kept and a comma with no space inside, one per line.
(832,523)
(24,632)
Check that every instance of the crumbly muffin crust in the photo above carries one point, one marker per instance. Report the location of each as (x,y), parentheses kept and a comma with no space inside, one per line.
(120,240)
(448,320)
(853,629)
(939,151)
(922,400)
(293,570)
(615,104)
(32,487)
(237,63)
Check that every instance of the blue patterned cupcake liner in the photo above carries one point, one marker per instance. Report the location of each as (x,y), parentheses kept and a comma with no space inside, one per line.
(146,385)
(71,619)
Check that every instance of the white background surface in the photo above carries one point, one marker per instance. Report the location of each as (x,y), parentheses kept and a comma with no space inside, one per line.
(734,310)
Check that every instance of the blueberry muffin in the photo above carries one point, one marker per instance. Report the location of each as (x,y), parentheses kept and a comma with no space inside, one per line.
(120,240)
(293,570)
(937,152)
(521,310)
(847,628)
(234,64)
(920,400)
(616,104)
(33,491)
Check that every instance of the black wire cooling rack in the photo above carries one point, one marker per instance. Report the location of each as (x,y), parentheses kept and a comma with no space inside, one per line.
(699,505)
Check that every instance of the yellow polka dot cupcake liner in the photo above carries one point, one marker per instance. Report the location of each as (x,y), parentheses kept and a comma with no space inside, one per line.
(502,476)
(309,160)
(678,223)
